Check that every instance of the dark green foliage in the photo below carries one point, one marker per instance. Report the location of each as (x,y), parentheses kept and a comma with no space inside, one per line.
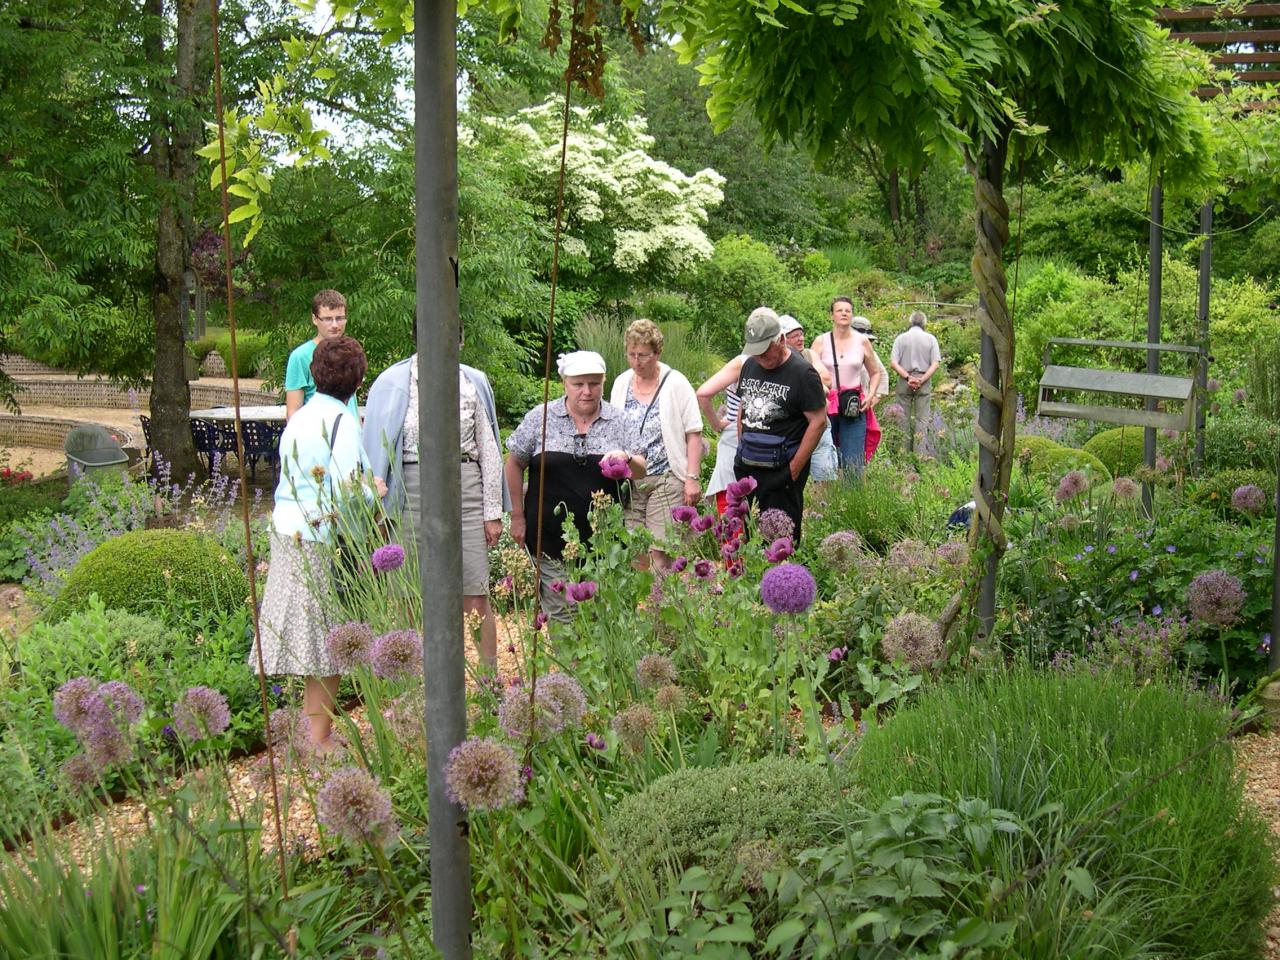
(1262,380)
(154,571)
(742,275)
(17,500)
(1238,440)
(704,817)
(1044,459)
(1188,844)
(254,354)
(1214,492)
(1120,449)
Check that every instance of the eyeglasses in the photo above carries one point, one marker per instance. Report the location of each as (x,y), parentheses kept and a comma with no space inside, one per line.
(639,357)
(580,449)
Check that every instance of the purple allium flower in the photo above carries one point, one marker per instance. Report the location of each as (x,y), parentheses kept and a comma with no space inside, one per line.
(633,726)
(387,558)
(1163,464)
(895,413)
(1249,498)
(788,588)
(595,741)
(684,514)
(912,639)
(841,550)
(1215,597)
(123,700)
(654,670)
(79,772)
(352,805)
(741,489)
(679,563)
(1072,484)
(703,569)
(614,468)
(837,654)
(669,697)
(349,645)
(519,713)
(702,524)
(482,774)
(1240,395)
(910,556)
(954,553)
(1124,488)
(1213,386)
(201,712)
(566,694)
(775,525)
(779,550)
(397,654)
(285,727)
(106,745)
(74,701)
(581,591)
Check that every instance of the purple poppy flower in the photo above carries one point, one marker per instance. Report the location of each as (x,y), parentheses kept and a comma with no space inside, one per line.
(595,741)
(703,569)
(580,592)
(702,524)
(557,586)
(779,550)
(679,563)
(684,514)
(615,469)
(539,621)
(837,654)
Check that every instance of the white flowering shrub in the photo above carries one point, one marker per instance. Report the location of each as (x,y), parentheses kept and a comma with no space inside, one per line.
(627,217)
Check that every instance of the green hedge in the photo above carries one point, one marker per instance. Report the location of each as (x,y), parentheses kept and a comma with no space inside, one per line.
(704,817)
(1120,449)
(1214,493)
(1238,440)
(1048,460)
(1063,747)
(154,572)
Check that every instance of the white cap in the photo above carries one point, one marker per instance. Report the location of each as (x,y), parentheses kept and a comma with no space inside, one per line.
(788,323)
(580,363)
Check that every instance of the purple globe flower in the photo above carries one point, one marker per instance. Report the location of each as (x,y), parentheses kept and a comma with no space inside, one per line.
(1124,488)
(387,558)
(397,654)
(1213,386)
(779,550)
(655,670)
(201,712)
(349,645)
(566,694)
(1071,486)
(789,588)
(1215,597)
(352,805)
(684,514)
(1249,499)
(80,772)
(73,702)
(1240,395)
(841,550)
(912,639)
(123,700)
(775,525)
(614,468)
(482,774)
(541,715)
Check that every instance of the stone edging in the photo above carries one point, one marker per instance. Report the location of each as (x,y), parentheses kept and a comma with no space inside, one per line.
(51,432)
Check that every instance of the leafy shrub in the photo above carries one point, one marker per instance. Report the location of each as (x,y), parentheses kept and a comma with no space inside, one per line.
(1214,492)
(252,350)
(1262,379)
(1045,460)
(145,571)
(742,275)
(1188,843)
(21,499)
(1119,449)
(703,817)
(666,308)
(1238,440)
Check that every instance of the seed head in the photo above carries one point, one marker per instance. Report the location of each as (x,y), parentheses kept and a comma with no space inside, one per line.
(655,670)
(349,645)
(352,805)
(1215,597)
(912,639)
(482,774)
(1072,484)
(1249,499)
(397,654)
(633,726)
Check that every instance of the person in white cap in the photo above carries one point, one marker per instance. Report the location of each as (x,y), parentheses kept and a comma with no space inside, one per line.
(872,364)
(823,463)
(915,359)
(581,431)
(781,419)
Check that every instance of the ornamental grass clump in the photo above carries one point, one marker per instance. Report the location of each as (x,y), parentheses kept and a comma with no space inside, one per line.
(788,588)
(352,805)
(912,639)
(482,774)
(201,712)
(349,646)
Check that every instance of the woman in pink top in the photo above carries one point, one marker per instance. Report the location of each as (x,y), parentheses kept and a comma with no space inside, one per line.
(843,352)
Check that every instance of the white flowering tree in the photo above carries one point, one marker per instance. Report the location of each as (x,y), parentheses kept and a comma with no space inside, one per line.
(629,219)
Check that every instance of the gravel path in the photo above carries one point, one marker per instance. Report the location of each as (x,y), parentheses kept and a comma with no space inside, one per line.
(1259,757)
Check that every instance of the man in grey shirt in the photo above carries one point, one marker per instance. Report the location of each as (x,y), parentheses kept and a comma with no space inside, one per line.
(915,359)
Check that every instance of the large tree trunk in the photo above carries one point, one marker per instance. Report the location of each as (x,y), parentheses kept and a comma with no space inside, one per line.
(175,136)
(996,407)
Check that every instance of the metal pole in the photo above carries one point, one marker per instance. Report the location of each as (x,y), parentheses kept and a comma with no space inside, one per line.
(1202,316)
(1156,262)
(439,550)
(1275,581)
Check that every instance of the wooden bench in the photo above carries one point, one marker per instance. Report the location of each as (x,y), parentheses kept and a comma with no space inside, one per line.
(1160,387)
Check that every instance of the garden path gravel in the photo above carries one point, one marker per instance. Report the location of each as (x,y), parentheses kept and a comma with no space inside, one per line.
(1259,758)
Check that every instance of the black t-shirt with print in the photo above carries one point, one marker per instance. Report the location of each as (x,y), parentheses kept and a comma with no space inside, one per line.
(774,401)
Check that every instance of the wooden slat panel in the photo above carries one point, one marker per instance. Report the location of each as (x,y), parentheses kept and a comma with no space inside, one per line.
(1117,383)
(1126,344)
(1258,76)
(1254,56)
(1120,415)
(1229,36)
(1249,11)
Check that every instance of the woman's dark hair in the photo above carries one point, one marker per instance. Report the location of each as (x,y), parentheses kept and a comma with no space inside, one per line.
(338,366)
(841,299)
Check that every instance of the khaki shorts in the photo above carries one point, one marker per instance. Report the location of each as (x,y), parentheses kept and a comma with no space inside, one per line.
(651,501)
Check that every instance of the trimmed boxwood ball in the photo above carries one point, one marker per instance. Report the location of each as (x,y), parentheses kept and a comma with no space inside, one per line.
(717,817)
(145,571)
(1048,460)
(1120,449)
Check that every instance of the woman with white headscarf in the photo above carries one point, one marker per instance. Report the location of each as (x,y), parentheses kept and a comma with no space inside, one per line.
(581,431)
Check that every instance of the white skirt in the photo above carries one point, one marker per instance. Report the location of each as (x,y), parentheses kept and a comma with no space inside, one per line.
(726,450)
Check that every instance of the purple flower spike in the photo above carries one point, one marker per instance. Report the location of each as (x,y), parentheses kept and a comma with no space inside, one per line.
(582,591)
(789,588)
(684,514)
(779,550)
(615,469)
(387,558)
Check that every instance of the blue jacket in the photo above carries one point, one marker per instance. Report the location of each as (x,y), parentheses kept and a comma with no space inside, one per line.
(384,414)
